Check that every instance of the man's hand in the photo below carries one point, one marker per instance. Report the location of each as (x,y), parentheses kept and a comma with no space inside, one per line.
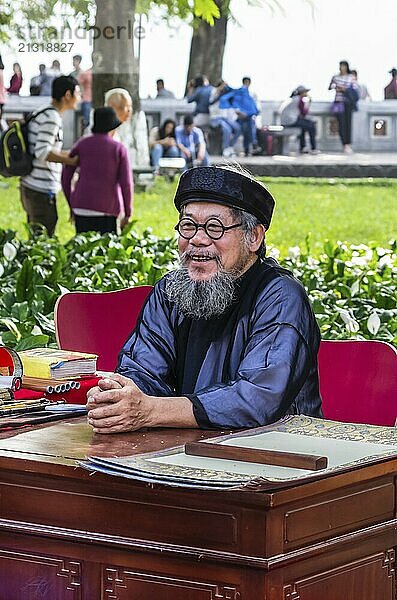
(185,151)
(169,142)
(63,157)
(116,405)
(72,161)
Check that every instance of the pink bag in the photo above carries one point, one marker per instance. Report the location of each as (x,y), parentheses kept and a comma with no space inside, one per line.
(337,108)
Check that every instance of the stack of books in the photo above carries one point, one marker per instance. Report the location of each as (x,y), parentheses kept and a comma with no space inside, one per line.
(55,371)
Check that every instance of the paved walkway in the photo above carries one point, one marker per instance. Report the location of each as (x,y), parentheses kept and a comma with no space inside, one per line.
(321,165)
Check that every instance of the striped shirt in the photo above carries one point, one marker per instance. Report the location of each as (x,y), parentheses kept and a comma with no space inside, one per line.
(45,134)
(341,81)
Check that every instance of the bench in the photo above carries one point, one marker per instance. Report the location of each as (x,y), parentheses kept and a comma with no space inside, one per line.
(143,177)
(170,167)
(277,139)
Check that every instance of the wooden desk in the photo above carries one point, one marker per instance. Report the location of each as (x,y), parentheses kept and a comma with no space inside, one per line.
(66,533)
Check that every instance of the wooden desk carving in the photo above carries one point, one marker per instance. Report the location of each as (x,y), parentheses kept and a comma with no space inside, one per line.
(70,533)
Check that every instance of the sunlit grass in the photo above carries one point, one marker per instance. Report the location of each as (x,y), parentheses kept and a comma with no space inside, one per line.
(354,211)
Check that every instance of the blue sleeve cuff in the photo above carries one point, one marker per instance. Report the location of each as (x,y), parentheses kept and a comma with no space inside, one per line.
(199,413)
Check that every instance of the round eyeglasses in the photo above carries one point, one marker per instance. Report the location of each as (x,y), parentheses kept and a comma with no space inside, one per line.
(214,228)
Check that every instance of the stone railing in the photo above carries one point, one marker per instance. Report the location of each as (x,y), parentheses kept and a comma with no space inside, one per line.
(374,124)
(374,127)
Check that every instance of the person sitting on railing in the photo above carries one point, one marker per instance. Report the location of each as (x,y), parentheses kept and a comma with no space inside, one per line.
(190,141)
(199,91)
(224,116)
(162,143)
(247,109)
(293,113)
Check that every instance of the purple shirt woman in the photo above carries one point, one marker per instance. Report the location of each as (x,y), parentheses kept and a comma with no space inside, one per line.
(104,188)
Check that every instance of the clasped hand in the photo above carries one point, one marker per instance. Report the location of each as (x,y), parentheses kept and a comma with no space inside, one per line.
(116,405)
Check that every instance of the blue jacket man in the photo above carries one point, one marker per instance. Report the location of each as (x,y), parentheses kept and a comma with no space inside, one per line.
(227,340)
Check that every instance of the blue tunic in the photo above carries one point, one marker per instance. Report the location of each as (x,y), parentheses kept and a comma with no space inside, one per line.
(246,368)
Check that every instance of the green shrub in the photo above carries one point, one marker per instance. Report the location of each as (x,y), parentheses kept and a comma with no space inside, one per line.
(352,288)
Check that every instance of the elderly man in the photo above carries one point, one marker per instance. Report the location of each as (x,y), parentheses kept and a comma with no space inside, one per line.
(227,340)
(133,131)
(120,100)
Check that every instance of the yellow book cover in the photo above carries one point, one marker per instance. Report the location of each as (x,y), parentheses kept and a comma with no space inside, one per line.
(50,363)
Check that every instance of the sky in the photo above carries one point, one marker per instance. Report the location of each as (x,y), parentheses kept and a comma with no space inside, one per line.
(278,50)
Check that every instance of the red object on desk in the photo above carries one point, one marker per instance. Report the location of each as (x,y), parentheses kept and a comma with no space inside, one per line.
(25,394)
(71,397)
(76,396)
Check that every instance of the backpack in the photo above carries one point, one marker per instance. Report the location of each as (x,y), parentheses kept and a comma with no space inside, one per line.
(352,96)
(15,157)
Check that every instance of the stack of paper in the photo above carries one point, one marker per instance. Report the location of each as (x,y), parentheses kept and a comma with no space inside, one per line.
(345,445)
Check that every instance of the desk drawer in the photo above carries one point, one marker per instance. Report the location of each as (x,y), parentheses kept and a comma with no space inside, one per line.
(325,518)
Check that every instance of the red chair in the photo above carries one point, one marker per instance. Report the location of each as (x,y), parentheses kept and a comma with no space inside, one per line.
(98,322)
(358,381)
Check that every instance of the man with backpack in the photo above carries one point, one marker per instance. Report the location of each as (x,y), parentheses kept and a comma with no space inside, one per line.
(45,136)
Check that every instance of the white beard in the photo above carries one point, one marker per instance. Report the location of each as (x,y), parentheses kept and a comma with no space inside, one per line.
(200,299)
(203,299)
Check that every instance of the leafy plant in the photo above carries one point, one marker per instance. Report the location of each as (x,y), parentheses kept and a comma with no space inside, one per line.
(352,288)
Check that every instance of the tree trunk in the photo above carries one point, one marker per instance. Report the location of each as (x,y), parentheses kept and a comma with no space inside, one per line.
(208,46)
(114,63)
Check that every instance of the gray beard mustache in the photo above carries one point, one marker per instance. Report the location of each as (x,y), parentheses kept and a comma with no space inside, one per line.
(201,299)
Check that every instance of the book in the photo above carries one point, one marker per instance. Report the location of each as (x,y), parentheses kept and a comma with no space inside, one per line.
(51,363)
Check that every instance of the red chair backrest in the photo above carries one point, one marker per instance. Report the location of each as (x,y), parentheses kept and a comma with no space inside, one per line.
(358,381)
(98,322)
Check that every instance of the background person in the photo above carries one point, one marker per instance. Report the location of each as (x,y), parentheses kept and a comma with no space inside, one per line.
(48,76)
(120,100)
(190,141)
(85,83)
(161,91)
(361,87)
(45,133)
(224,116)
(228,339)
(101,194)
(16,80)
(247,109)
(77,58)
(2,91)
(199,91)
(390,91)
(342,107)
(162,143)
(37,81)
(293,113)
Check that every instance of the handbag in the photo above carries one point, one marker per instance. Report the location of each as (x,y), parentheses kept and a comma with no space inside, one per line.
(352,96)
(337,108)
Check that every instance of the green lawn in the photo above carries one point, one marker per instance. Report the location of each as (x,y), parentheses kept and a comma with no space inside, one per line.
(354,211)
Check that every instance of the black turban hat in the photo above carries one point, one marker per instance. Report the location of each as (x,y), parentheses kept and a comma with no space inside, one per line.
(225,186)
